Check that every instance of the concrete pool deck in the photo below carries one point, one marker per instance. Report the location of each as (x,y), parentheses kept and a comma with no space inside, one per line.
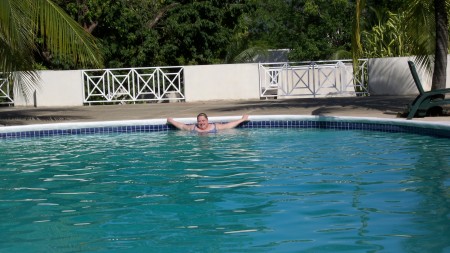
(387,107)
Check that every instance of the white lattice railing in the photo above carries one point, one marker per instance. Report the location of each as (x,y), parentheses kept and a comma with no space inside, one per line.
(6,94)
(133,85)
(157,84)
(316,79)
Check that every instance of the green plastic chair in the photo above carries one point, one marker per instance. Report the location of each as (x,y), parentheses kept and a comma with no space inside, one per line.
(426,101)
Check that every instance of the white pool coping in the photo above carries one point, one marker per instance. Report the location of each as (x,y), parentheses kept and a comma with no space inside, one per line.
(79,125)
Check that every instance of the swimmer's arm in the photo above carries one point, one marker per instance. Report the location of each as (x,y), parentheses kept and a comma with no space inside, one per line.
(232,124)
(179,125)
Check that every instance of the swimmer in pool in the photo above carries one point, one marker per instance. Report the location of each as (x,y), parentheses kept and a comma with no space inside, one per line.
(203,125)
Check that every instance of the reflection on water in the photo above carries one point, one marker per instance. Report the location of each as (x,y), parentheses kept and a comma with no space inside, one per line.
(432,171)
(241,190)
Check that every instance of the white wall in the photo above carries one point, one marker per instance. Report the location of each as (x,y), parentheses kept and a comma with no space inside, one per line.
(391,76)
(387,76)
(56,88)
(221,82)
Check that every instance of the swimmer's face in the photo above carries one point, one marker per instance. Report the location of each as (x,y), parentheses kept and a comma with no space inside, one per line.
(202,122)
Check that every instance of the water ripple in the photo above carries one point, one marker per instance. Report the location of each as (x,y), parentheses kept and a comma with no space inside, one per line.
(264,190)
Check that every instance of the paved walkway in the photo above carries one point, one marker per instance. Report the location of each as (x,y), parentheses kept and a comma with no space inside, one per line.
(375,106)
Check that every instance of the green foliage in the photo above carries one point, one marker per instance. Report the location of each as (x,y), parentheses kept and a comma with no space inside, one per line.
(137,33)
(398,28)
(215,31)
(199,32)
(312,29)
(388,38)
(147,33)
(121,26)
(410,28)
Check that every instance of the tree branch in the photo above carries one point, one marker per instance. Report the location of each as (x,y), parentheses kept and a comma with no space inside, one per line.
(90,28)
(161,14)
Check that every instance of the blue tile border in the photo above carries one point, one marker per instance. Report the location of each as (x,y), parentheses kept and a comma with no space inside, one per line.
(278,121)
(84,131)
(343,125)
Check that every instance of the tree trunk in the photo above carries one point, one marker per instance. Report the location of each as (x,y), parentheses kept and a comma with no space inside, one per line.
(440,63)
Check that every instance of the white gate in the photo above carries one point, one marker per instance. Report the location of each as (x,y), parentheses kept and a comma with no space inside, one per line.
(6,93)
(315,79)
(133,85)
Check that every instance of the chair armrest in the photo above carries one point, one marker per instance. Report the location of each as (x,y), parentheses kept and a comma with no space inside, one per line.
(435,92)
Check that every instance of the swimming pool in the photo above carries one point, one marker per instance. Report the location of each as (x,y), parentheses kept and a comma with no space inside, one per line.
(270,189)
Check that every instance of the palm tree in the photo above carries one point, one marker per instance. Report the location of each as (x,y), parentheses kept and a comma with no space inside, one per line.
(427,24)
(22,23)
(356,38)
(441,50)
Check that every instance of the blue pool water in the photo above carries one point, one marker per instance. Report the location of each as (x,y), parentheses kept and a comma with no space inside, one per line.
(243,190)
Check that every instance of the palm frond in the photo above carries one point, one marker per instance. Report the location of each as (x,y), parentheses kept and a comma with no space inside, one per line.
(25,83)
(16,37)
(420,24)
(21,22)
(63,36)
